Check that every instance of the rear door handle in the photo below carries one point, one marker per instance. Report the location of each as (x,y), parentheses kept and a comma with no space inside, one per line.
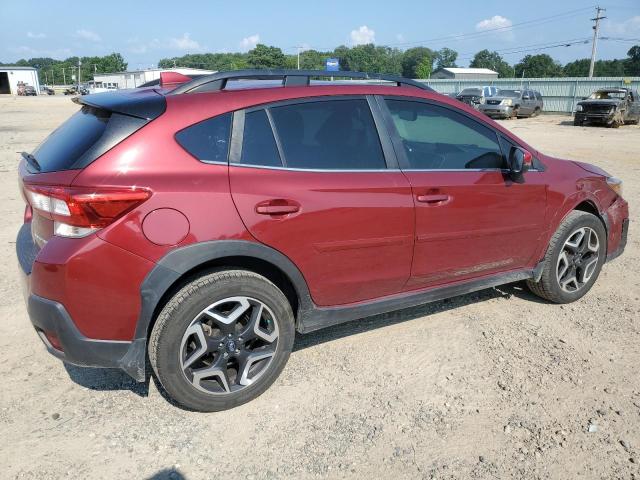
(434,200)
(277,207)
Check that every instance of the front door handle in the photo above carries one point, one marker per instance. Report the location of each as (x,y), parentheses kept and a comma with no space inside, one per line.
(434,200)
(277,207)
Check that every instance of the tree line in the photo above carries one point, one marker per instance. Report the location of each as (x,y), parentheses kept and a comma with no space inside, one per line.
(418,62)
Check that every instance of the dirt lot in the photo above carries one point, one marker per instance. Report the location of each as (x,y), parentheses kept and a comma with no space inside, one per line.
(495,384)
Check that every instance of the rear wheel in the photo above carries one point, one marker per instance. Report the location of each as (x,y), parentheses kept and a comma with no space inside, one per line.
(573,260)
(536,112)
(222,340)
(577,122)
(515,112)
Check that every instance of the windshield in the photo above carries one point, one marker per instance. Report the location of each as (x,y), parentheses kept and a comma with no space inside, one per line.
(509,93)
(471,91)
(605,95)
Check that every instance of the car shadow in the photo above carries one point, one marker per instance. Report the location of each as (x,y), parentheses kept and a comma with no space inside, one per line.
(517,289)
(106,379)
(111,379)
(167,474)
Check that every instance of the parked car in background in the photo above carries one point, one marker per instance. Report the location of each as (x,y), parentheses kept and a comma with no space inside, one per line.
(476,96)
(204,227)
(609,106)
(26,90)
(513,104)
(48,90)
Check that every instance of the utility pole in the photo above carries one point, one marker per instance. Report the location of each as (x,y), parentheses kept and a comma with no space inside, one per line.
(64,77)
(79,71)
(596,29)
(53,78)
(299,48)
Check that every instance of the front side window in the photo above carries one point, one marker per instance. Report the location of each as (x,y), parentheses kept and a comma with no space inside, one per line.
(438,138)
(208,140)
(329,135)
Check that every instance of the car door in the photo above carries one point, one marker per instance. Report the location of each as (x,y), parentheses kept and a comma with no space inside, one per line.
(471,218)
(311,179)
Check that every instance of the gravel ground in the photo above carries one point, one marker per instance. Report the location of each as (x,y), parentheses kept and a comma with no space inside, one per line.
(495,384)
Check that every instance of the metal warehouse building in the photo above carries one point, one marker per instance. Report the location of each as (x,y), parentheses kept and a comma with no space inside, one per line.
(135,78)
(10,76)
(465,73)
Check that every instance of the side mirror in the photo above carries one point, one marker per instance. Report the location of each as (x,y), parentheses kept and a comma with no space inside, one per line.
(520,160)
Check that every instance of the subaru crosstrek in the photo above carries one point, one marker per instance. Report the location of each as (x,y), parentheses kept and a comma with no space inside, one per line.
(201,223)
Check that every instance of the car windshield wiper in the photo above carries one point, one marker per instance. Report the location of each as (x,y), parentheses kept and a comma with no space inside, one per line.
(31,160)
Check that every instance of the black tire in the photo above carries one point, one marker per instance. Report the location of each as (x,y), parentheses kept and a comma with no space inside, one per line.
(577,123)
(165,342)
(549,286)
(536,112)
(515,112)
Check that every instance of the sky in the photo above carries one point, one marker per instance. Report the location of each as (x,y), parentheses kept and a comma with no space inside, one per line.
(145,31)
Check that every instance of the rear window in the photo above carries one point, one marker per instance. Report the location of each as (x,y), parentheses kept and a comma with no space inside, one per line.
(70,141)
(83,138)
(471,91)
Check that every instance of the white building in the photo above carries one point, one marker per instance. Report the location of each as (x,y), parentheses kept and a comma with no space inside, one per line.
(135,78)
(10,76)
(463,73)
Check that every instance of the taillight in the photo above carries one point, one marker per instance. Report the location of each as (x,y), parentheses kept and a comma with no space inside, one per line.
(79,211)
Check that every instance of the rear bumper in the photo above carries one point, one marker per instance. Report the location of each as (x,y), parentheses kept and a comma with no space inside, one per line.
(59,333)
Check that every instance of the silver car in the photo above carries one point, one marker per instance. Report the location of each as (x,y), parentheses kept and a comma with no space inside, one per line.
(513,104)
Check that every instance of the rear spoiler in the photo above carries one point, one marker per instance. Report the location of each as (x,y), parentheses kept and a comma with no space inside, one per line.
(172,79)
(146,103)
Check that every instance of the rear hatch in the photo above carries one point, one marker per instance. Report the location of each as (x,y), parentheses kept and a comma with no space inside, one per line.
(46,175)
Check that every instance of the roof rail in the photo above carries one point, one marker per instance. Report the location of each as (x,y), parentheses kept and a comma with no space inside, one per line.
(290,78)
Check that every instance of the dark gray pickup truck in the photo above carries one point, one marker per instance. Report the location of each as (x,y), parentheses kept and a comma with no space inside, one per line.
(609,106)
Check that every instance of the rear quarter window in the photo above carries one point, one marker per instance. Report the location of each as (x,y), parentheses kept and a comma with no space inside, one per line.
(84,137)
(208,140)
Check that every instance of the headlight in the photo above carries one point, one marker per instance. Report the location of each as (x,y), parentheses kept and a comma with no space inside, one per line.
(507,101)
(615,184)
(579,108)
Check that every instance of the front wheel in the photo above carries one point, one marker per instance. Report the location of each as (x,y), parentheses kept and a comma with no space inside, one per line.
(573,260)
(222,340)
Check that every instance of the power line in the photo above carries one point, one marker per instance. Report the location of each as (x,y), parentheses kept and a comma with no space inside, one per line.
(473,35)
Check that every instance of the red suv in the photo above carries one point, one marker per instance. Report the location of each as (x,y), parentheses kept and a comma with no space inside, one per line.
(202,225)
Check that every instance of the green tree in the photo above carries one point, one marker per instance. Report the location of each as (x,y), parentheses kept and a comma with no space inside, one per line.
(577,68)
(632,62)
(263,56)
(414,57)
(369,58)
(423,70)
(536,66)
(313,59)
(492,60)
(446,57)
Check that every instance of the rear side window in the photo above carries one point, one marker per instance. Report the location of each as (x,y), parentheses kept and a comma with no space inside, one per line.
(258,144)
(333,134)
(208,140)
(84,137)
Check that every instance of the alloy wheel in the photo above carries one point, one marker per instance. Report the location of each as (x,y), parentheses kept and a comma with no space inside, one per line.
(229,345)
(578,259)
